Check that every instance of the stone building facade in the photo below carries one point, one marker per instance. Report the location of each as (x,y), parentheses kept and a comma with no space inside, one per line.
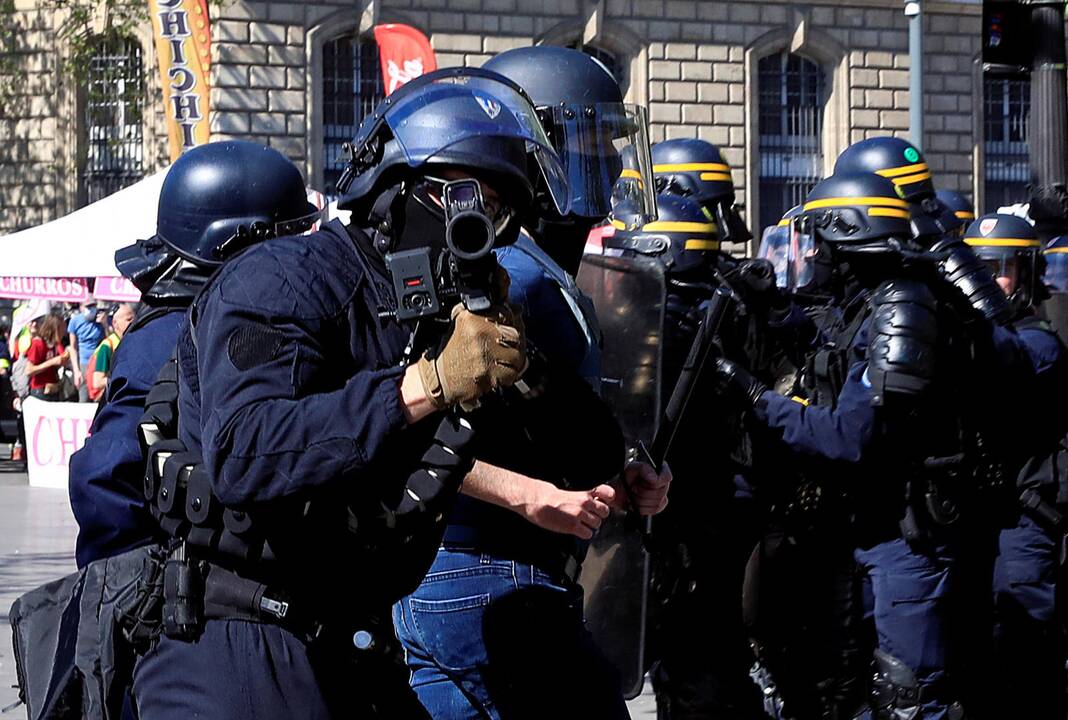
(780,86)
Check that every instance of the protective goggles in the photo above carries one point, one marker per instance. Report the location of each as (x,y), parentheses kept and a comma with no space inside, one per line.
(469,196)
(790,249)
(604,150)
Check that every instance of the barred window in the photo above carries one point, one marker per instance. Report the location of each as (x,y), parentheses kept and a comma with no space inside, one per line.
(1006,109)
(792,93)
(113,119)
(352,87)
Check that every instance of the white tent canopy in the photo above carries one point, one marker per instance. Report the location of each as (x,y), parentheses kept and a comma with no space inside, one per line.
(83,243)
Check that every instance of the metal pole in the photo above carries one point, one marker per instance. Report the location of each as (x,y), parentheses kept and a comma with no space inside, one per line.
(1048,132)
(914,12)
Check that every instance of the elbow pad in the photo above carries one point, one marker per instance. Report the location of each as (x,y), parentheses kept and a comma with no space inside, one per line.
(903,337)
(963,269)
(430,490)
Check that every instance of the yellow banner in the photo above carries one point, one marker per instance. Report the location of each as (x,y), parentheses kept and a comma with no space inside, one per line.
(183,44)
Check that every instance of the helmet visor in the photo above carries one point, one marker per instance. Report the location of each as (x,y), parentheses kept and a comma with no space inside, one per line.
(604,149)
(1003,264)
(790,248)
(429,122)
(1056,277)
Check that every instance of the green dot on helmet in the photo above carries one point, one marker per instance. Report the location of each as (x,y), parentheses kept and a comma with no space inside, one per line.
(912,155)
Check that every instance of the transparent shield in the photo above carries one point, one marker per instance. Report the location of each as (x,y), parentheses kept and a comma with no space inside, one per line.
(629,294)
(604,149)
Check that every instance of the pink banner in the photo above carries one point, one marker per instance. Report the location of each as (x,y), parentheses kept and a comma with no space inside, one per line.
(71,290)
(117,289)
(54,432)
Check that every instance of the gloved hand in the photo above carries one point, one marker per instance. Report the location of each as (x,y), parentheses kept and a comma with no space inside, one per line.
(735,378)
(483,352)
(755,282)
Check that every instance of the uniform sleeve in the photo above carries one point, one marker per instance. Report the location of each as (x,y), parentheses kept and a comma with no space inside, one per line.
(281,412)
(839,434)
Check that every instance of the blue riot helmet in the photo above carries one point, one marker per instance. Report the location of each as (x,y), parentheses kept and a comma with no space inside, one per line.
(1009,246)
(225,195)
(903,163)
(591,128)
(779,245)
(460,118)
(216,199)
(696,168)
(682,238)
(961,206)
(848,217)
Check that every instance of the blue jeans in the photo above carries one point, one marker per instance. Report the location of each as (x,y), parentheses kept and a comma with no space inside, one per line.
(488,637)
(909,594)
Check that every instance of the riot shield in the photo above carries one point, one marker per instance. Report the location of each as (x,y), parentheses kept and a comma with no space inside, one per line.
(1055,310)
(629,295)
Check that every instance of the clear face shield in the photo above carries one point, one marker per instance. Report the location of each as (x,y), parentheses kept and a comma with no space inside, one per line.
(790,249)
(1056,277)
(604,149)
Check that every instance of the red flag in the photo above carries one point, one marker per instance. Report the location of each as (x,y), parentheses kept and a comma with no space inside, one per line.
(405,54)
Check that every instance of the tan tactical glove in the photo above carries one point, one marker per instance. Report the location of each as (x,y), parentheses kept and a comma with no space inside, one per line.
(484,352)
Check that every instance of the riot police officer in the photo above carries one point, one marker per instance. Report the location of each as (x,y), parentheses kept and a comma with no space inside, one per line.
(1028,642)
(1055,309)
(903,163)
(961,206)
(873,422)
(695,168)
(315,462)
(540,486)
(703,539)
(210,191)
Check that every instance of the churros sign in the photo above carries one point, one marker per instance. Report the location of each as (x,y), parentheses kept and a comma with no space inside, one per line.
(183,45)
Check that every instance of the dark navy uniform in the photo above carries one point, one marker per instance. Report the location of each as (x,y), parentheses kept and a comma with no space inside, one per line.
(289,387)
(107,474)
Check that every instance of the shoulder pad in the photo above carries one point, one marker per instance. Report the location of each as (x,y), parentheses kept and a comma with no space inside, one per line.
(963,269)
(902,339)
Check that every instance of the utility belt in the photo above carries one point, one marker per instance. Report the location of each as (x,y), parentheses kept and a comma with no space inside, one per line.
(184,592)
(558,563)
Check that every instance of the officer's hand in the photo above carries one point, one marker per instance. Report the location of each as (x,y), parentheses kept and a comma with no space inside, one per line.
(646,491)
(484,352)
(734,378)
(569,512)
(755,282)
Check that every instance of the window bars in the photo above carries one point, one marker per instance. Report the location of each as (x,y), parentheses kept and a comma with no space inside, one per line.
(113,119)
(792,93)
(1006,168)
(352,87)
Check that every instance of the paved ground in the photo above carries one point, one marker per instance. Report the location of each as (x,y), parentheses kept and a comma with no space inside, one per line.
(37,533)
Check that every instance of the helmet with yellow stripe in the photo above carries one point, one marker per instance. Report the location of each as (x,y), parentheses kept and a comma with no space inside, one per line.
(1009,246)
(696,169)
(902,163)
(961,206)
(682,237)
(855,211)
(1056,257)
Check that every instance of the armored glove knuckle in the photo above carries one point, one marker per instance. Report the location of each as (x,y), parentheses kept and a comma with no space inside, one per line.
(904,333)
